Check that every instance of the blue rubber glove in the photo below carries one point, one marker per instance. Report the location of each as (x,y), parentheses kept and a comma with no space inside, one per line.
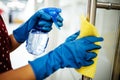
(71,54)
(73,37)
(41,20)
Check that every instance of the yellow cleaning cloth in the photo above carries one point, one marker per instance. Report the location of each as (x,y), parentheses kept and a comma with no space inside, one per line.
(88,29)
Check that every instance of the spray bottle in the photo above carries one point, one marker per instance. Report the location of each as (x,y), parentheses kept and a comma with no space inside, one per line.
(38,40)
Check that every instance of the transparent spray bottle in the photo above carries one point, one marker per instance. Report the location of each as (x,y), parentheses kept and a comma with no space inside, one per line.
(38,40)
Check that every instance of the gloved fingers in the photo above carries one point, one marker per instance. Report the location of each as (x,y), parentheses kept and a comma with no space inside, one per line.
(58,10)
(90,47)
(86,45)
(44,23)
(90,55)
(44,16)
(46,29)
(58,20)
(92,39)
(72,37)
(59,24)
(87,63)
(84,62)
(44,26)
(56,14)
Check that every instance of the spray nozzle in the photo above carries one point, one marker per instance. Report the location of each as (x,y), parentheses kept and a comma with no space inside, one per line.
(53,12)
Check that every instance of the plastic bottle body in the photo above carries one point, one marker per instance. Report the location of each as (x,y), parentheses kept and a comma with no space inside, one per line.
(37,42)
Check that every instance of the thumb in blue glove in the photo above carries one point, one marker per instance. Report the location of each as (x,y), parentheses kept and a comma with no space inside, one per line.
(73,37)
(40,20)
(72,54)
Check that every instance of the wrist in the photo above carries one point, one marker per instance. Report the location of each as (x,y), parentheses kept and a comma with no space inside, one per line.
(21,33)
(45,65)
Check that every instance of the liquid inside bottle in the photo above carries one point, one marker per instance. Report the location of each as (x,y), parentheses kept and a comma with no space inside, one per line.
(37,42)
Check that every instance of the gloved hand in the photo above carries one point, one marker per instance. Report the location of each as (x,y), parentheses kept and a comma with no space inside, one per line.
(41,20)
(72,54)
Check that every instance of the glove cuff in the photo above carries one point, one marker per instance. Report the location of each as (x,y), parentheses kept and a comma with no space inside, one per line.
(45,65)
(20,34)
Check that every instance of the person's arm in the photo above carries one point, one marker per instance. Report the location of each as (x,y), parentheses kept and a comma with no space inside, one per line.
(14,43)
(23,73)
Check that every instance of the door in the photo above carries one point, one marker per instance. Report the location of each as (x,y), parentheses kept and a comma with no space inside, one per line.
(107,22)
